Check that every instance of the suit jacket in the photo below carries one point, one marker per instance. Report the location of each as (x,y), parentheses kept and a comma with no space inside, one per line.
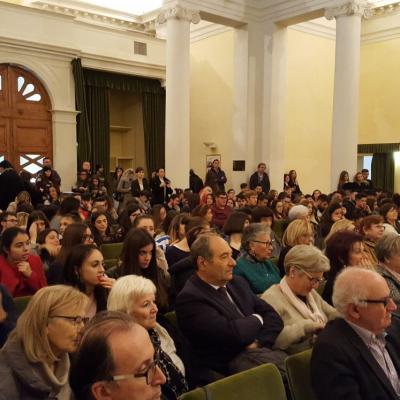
(217,331)
(160,194)
(135,187)
(343,368)
(265,184)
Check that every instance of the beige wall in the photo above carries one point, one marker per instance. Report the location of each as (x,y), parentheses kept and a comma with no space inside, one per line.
(211,101)
(309,109)
(380,92)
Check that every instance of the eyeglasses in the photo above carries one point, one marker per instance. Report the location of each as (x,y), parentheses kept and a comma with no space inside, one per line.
(14,221)
(313,281)
(267,243)
(74,320)
(385,301)
(148,374)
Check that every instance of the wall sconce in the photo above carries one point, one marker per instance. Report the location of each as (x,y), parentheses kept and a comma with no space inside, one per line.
(210,145)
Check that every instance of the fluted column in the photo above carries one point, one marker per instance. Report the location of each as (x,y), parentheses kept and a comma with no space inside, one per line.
(177,118)
(346,87)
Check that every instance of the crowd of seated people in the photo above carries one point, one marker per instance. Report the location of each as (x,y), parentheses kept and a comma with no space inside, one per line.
(203,282)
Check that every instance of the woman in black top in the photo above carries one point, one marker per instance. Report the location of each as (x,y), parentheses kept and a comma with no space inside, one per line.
(140,183)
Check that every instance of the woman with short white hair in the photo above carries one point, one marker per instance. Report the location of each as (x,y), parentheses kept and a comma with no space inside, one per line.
(34,362)
(303,311)
(136,296)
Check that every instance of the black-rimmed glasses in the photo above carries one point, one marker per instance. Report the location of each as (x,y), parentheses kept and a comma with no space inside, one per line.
(148,374)
(385,301)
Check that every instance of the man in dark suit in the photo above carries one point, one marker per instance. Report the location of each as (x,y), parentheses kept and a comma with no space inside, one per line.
(229,328)
(260,178)
(354,357)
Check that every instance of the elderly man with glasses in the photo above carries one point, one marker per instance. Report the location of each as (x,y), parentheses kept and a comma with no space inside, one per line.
(115,361)
(357,356)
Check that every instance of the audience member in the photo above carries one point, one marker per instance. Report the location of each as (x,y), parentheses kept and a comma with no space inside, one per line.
(260,178)
(233,229)
(388,253)
(230,329)
(8,314)
(354,356)
(34,362)
(253,264)
(20,271)
(84,270)
(303,311)
(136,296)
(220,210)
(215,177)
(160,187)
(116,361)
(390,214)
(372,229)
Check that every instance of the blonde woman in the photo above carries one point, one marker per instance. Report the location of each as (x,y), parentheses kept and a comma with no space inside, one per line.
(135,295)
(34,362)
(341,225)
(299,231)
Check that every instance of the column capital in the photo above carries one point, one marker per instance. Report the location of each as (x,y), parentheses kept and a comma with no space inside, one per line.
(361,8)
(179,12)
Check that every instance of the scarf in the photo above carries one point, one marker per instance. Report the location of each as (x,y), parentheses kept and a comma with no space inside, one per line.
(311,312)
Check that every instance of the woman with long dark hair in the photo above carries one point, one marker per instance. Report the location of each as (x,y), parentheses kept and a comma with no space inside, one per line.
(84,270)
(138,257)
(101,228)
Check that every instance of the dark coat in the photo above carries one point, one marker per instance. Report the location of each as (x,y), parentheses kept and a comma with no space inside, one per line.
(216,329)
(343,368)
(195,183)
(265,184)
(135,187)
(216,179)
(10,185)
(9,307)
(160,194)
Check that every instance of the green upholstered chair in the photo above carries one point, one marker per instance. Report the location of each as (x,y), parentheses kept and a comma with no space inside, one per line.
(21,303)
(299,376)
(111,250)
(259,383)
(196,394)
(109,263)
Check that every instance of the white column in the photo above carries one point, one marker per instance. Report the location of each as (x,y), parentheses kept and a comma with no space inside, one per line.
(241,137)
(275,95)
(177,118)
(346,86)
(65,146)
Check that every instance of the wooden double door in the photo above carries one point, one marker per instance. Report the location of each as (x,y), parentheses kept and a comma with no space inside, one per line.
(25,119)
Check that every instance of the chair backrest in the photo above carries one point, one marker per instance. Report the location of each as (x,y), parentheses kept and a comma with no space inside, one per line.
(196,394)
(111,250)
(259,383)
(21,303)
(299,376)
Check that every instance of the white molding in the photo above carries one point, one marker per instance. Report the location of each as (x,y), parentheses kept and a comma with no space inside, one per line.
(112,64)
(89,60)
(380,36)
(315,29)
(207,30)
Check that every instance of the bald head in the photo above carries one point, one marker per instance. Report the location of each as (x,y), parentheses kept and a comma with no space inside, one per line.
(353,285)
(363,297)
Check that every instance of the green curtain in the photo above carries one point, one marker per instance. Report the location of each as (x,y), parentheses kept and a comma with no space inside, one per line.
(99,122)
(154,130)
(382,170)
(378,148)
(126,83)
(83,136)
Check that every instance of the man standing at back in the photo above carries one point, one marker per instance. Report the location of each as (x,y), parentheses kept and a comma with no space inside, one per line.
(229,328)
(354,357)
(215,177)
(260,178)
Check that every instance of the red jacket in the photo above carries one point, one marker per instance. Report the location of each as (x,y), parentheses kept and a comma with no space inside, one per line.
(16,283)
